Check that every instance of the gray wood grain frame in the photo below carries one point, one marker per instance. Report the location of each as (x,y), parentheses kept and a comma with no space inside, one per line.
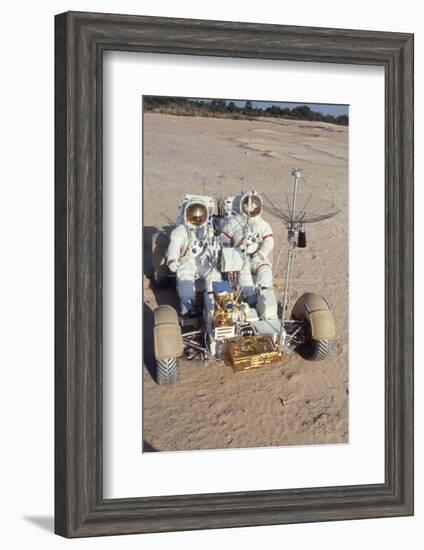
(80,40)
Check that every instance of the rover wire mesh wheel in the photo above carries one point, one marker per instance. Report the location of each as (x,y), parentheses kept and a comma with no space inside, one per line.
(314,350)
(319,328)
(167,371)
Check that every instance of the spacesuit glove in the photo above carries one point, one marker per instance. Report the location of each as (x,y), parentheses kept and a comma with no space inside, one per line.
(173,265)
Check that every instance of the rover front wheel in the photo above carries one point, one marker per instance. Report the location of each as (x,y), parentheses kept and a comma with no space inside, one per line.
(167,371)
(319,329)
(168,344)
(314,350)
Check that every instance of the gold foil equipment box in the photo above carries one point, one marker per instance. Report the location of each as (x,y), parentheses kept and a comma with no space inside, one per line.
(252,352)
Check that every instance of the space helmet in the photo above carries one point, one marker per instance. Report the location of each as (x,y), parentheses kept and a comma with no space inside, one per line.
(251,204)
(196,213)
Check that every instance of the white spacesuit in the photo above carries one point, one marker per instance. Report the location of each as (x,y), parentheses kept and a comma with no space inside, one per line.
(249,232)
(192,253)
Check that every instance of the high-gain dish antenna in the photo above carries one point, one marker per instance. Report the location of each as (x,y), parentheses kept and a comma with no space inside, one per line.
(296,210)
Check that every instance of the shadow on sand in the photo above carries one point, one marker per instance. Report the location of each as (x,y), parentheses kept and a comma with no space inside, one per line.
(147,448)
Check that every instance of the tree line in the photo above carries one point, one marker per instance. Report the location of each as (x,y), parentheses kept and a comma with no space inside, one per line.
(229,109)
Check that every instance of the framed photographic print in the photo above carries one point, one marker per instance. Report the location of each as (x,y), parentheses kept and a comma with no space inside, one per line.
(230,147)
(234,270)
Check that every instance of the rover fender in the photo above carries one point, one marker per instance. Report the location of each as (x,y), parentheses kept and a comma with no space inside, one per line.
(167,333)
(314,309)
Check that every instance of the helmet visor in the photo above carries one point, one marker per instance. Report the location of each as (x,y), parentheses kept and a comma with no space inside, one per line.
(196,214)
(251,205)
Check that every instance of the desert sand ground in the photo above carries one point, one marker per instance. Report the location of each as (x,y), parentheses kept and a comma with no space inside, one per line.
(293,403)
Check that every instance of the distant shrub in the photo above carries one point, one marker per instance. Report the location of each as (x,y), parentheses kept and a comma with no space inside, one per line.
(220,108)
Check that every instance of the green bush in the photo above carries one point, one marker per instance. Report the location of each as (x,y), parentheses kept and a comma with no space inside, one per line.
(222,108)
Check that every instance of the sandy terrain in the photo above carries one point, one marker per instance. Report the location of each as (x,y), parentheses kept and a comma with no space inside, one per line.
(296,402)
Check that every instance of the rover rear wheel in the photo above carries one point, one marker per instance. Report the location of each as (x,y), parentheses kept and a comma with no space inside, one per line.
(160,276)
(160,282)
(167,371)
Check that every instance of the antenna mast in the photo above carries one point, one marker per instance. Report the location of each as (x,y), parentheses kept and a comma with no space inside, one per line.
(291,237)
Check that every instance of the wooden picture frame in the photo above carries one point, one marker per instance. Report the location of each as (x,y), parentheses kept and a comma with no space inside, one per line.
(81,39)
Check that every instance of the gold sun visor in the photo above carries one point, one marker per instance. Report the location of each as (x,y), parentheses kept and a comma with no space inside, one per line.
(251,204)
(196,214)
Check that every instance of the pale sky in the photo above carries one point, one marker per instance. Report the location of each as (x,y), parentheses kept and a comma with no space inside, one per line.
(324,108)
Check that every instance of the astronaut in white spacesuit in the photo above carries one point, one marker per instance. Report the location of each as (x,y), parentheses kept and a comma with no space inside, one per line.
(192,253)
(249,232)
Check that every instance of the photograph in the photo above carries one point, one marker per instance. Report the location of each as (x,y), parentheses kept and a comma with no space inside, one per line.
(245,266)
